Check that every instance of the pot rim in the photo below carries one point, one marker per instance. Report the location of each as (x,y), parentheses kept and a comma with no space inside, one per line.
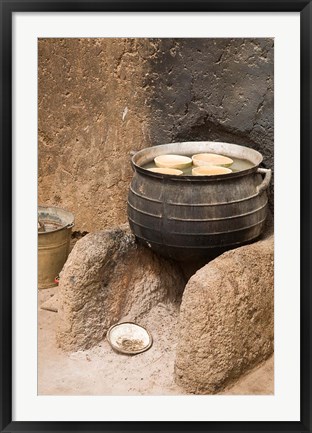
(184,149)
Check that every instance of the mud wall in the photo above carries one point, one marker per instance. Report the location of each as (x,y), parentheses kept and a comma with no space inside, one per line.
(101,98)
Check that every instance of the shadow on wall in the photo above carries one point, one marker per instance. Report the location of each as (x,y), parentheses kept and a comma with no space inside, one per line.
(214,89)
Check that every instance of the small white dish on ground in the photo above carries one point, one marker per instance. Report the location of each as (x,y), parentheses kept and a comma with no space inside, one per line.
(129,338)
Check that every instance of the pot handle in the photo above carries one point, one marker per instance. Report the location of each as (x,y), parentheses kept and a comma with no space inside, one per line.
(266,180)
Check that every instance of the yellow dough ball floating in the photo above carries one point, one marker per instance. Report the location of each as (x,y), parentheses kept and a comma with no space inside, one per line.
(166,171)
(202,159)
(173,161)
(210,170)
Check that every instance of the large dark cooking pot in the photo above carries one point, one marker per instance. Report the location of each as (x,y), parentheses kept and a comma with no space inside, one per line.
(191,217)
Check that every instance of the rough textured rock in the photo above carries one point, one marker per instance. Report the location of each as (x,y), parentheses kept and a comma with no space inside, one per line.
(100,98)
(226,319)
(108,276)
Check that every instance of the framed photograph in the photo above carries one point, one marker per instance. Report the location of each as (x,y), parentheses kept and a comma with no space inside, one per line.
(155,216)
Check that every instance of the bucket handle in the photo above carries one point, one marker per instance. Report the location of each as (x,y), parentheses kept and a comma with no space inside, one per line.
(266,180)
(69,226)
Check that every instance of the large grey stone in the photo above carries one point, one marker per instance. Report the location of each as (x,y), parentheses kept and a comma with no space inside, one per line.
(226,319)
(108,276)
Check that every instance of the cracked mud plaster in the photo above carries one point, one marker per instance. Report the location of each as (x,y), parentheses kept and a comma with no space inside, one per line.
(92,113)
(101,98)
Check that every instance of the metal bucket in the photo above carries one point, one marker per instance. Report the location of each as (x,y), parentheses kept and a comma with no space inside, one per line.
(54,234)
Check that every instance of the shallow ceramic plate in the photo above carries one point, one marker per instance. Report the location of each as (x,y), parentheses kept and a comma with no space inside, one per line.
(166,171)
(210,170)
(173,161)
(129,338)
(211,159)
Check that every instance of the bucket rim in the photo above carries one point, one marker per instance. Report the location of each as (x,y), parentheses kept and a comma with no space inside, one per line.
(68,225)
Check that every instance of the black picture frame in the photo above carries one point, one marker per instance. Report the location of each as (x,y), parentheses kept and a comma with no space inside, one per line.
(7,10)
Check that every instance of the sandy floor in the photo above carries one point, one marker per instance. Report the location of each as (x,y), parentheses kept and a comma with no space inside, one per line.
(101,371)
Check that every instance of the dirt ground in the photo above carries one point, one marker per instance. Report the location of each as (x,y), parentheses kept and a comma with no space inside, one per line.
(101,371)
